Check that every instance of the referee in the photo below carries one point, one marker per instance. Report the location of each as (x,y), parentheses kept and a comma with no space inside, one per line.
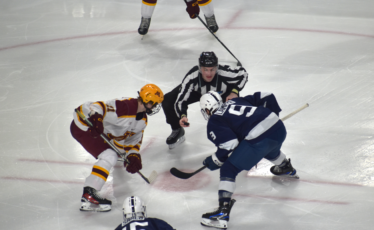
(209,75)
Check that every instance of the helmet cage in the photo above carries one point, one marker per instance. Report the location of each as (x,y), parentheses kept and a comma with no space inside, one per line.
(133,209)
(210,103)
(153,95)
(153,110)
(207,113)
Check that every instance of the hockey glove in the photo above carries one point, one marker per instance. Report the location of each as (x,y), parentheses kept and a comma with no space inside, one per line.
(97,122)
(135,163)
(193,8)
(211,164)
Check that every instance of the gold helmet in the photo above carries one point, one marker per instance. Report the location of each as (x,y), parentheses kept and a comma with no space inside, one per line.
(151,93)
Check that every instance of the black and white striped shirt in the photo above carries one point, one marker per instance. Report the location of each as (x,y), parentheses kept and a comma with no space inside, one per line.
(226,80)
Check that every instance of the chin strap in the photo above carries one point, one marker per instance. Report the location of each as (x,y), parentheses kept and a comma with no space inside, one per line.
(148,111)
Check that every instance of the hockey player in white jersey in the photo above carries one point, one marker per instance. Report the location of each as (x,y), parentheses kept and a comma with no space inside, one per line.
(208,75)
(193,9)
(249,129)
(135,217)
(123,122)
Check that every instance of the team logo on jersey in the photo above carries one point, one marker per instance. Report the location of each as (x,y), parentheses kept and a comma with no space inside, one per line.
(110,108)
(223,108)
(120,138)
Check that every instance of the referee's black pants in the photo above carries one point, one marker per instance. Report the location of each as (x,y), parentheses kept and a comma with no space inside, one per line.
(168,105)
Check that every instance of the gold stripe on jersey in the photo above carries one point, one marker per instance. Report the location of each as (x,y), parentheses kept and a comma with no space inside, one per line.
(117,145)
(149,2)
(102,105)
(100,172)
(130,147)
(127,116)
(79,118)
(127,147)
(203,2)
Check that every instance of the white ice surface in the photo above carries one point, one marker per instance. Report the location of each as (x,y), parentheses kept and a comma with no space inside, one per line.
(55,55)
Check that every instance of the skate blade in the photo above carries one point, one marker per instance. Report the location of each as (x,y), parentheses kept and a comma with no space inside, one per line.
(222,224)
(180,141)
(88,207)
(295,176)
(289,176)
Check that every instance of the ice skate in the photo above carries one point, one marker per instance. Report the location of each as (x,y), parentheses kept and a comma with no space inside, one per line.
(176,138)
(144,26)
(211,22)
(285,169)
(220,217)
(91,201)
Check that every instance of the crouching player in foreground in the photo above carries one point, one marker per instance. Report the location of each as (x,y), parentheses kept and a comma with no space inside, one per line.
(135,217)
(123,121)
(250,128)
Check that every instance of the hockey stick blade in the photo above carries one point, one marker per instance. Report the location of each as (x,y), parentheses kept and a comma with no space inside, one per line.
(183,175)
(152,177)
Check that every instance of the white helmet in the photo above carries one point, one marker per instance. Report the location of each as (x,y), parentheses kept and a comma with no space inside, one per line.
(210,103)
(133,209)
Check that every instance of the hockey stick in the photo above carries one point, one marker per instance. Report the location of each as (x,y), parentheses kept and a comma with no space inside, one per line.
(239,64)
(294,112)
(153,175)
(183,175)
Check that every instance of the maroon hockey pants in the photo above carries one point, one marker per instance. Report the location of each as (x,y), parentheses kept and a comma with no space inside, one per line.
(94,146)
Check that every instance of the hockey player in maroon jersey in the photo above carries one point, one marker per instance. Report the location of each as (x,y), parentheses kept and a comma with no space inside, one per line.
(193,9)
(123,121)
(135,217)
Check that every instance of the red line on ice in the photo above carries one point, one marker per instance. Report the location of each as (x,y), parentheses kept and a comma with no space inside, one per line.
(293,199)
(42,180)
(179,29)
(60,162)
(311,181)
(232,19)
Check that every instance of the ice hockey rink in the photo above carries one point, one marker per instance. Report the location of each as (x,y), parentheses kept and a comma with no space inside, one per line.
(56,55)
